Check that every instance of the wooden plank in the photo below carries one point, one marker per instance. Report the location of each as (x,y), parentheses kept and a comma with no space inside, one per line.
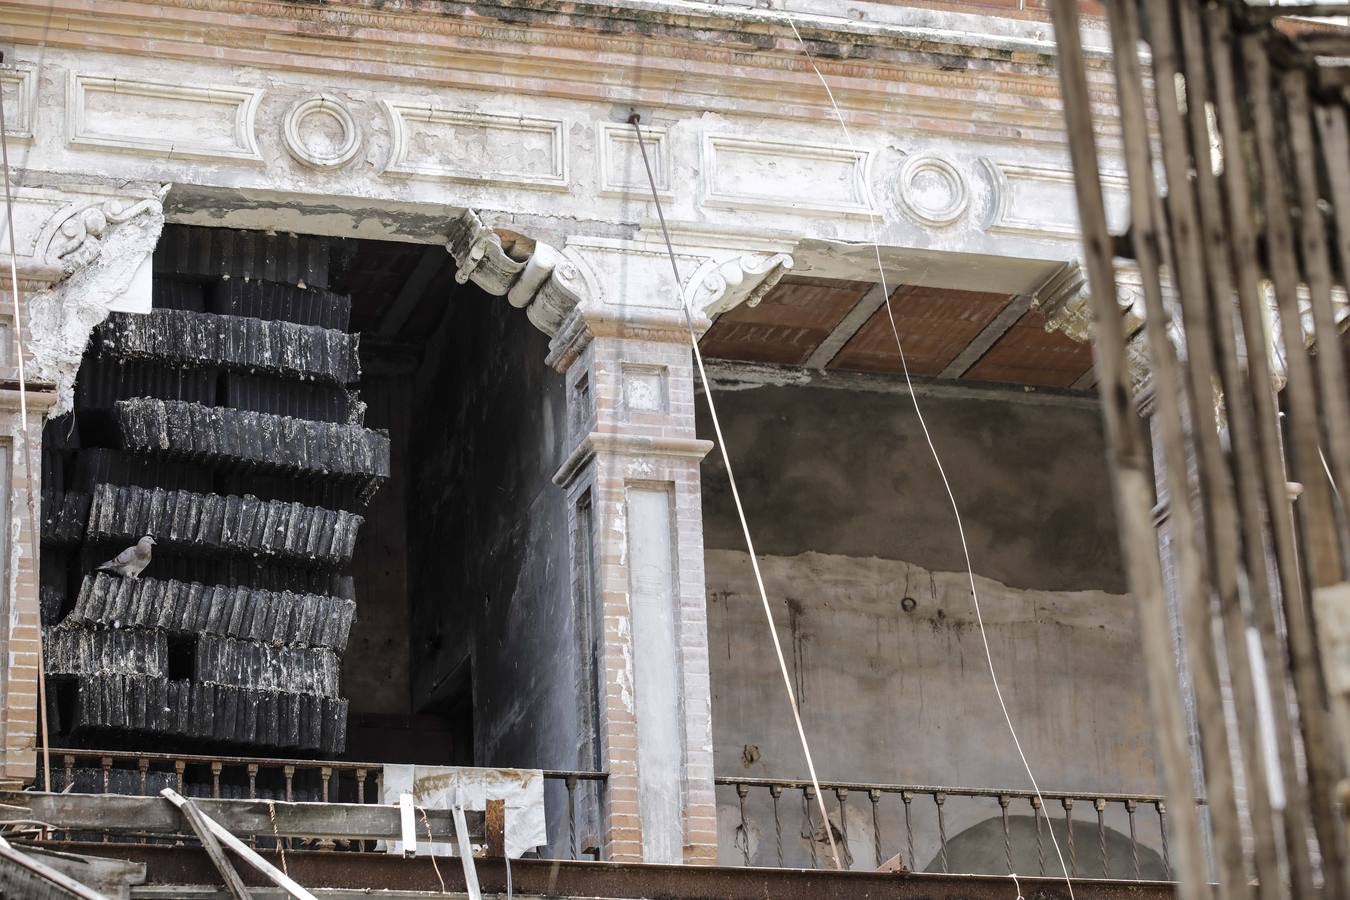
(848,326)
(988,336)
(495,828)
(233,883)
(277,877)
(1128,452)
(117,813)
(1228,73)
(1233,512)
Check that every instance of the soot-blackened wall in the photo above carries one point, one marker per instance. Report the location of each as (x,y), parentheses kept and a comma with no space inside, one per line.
(488,540)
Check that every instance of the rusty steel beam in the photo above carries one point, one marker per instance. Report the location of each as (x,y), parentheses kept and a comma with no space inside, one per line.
(335,869)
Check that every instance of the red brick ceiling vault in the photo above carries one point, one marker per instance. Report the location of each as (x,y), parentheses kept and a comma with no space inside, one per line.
(972,336)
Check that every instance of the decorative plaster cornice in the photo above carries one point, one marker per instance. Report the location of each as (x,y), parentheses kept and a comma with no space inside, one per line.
(617,443)
(572,49)
(576,293)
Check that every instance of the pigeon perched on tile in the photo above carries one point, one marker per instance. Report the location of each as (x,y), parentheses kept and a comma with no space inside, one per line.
(131,561)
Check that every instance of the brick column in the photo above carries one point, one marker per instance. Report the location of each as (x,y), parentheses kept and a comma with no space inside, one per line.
(20,620)
(633,478)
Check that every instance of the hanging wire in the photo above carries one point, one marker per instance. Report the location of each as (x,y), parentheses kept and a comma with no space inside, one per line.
(928,438)
(736,497)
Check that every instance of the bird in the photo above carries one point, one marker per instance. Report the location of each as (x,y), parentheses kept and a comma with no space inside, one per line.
(131,561)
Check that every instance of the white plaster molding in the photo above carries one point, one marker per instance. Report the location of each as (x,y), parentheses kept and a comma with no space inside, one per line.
(104,250)
(320,157)
(75,236)
(18,91)
(622,173)
(918,201)
(718,286)
(1039,201)
(546,284)
(485,148)
(214,122)
(785,176)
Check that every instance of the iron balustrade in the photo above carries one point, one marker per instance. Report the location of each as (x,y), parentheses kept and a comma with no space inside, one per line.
(950,830)
(260,778)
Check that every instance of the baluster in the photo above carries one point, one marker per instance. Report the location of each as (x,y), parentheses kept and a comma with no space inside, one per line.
(215,780)
(178,768)
(941,799)
(1130,806)
(70,771)
(1068,830)
(106,764)
(289,772)
(841,796)
(326,773)
(143,767)
(1036,813)
(908,797)
(1162,831)
(360,785)
(776,791)
(1100,805)
(875,796)
(809,794)
(571,782)
(253,794)
(1003,801)
(741,791)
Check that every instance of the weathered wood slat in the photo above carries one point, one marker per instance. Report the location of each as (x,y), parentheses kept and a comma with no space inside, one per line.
(1128,456)
(151,815)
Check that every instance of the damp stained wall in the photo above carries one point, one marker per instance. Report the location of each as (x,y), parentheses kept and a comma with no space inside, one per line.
(850,518)
(488,546)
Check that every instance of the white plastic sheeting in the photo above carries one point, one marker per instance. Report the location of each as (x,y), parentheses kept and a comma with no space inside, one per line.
(441,787)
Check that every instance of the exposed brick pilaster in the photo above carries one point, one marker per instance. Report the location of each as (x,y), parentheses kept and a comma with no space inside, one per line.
(631,404)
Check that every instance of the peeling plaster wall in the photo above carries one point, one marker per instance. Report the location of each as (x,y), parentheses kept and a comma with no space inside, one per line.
(488,545)
(866,579)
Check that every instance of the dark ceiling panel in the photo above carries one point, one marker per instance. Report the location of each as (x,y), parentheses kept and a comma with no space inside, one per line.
(787,325)
(1028,354)
(935,325)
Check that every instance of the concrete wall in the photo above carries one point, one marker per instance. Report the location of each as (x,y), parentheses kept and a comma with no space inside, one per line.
(866,579)
(488,543)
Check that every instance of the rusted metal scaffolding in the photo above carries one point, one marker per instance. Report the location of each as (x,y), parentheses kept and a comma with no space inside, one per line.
(1233,132)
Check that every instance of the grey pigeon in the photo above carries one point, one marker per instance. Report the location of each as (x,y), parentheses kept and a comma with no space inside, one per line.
(131,561)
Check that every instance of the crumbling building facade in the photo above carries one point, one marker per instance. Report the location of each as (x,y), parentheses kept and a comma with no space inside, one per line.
(363,311)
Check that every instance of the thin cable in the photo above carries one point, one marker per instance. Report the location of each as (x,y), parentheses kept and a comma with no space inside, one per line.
(27,450)
(736,496)
(431,848)
(951,497)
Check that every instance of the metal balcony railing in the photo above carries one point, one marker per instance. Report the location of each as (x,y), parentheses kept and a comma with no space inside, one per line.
(955,830)
(257,778)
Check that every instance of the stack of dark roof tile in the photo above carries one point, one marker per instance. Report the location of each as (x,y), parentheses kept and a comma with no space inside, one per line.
(76,650)
(184,338)
(229,524)
(233,437)
(187,608)
(226,424)
(301,670)
(207,712)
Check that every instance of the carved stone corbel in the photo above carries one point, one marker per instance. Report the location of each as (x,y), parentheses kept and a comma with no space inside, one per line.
(719,286)
(75,236)
(102,249)
(532,276)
